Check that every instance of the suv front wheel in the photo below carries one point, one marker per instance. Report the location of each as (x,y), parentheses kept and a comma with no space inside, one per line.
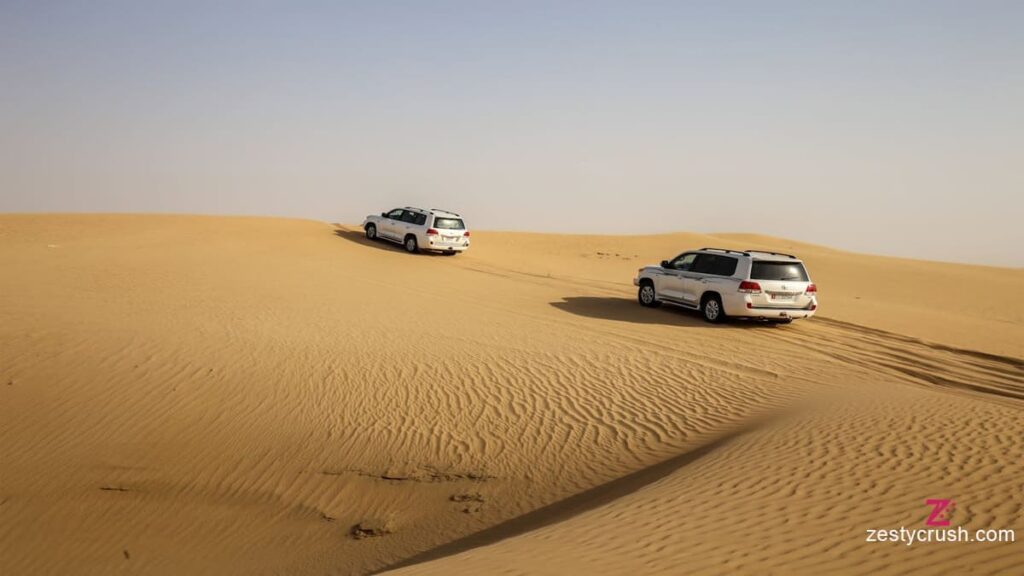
(647,296)
(711,308)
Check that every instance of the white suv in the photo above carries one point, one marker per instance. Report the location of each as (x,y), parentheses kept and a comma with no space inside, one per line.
(722,283)
(418,229)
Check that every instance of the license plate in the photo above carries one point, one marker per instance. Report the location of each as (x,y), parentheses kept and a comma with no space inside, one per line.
(782,297)
(451,239)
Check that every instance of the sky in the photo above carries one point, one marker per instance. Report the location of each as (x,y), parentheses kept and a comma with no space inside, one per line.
(890,127)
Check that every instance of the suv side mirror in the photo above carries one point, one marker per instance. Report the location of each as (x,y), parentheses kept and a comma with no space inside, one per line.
(665,264)
(384,214)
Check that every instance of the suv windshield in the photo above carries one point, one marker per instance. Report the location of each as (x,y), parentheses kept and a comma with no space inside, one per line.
(449,223)
(792,271)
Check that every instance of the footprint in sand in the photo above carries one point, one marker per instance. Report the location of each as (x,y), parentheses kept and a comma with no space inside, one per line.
(373,528)
(473,500)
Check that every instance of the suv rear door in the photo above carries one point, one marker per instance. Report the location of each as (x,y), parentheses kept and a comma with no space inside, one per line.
(407,225)
(783,283)
(709,271)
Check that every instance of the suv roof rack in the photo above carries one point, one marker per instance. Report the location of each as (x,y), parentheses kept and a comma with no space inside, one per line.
(773,253)
(445,211)
(414,208)
(727,251)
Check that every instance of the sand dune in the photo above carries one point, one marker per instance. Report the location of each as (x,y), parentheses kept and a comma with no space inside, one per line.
(247,395)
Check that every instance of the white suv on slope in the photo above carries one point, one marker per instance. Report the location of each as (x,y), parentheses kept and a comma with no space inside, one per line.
(418,229)
(722,283)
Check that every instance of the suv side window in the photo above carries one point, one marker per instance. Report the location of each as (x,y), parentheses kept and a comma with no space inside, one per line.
(704,263)
(396,214)
(715,264)
(725,266)
(421,219)
(409,217)
(683,262)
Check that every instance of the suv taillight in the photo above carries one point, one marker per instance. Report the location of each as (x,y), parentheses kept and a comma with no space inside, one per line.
(812,290)
(431,232)
(466,234)
(748,287)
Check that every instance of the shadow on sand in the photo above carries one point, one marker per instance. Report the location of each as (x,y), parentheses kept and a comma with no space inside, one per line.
(584,501)
(358,237)
(629,310)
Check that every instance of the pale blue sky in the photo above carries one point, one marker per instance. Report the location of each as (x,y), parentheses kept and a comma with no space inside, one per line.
(891,127)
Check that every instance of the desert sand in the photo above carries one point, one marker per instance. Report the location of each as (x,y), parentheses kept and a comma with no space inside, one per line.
(213,395)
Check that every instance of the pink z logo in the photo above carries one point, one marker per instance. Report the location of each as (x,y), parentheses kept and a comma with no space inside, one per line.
(938,516)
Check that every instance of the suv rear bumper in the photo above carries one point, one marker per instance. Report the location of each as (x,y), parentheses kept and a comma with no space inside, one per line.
(776,313)
(440,247)
(740,308)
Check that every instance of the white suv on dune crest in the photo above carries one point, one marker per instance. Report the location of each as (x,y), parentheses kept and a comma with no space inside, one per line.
(418,229)
(722,283)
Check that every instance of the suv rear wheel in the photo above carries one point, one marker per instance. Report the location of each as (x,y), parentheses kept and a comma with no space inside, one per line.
(647,296)
(711,308)
(411,246)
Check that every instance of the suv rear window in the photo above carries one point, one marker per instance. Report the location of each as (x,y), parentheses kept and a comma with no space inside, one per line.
(449,223)
(792,271)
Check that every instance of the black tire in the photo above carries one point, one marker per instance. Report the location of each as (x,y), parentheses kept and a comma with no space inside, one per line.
(452,253)
(411,245)
(711,309)
(646,295)
(371,231)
